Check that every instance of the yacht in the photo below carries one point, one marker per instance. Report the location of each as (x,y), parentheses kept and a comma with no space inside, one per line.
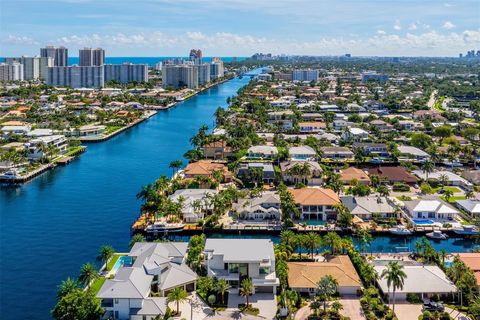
(400,231)
(10,174)
(437,234)
(466,230)
(164,227)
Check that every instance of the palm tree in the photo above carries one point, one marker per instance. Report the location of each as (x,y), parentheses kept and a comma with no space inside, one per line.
(326,287)
(443,255)
(364,237)
(443,180)
(175,165)
(332,240)
(137,237)
(395,277)
(246,289)
(66,287)
(177,295)
(222,287)
(288,237)
(88,273)
(469,194)
(427,168)
(312,241)
(105,254)
(448,195)
(370,275)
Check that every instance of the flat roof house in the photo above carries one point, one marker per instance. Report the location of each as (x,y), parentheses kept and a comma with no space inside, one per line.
(149,268)
(267,169)
(354,134)
(421,279)
(303,277)
(316,203)
(238,259)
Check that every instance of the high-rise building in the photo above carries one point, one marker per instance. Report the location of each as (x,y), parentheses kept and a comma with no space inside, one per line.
(196,56)
(59,55)
(180,75)
(91,57)
(374,76)
(34,68)
(305,75)
(126,72)
(76,76)
(216,69)
(11,71)
(203,71)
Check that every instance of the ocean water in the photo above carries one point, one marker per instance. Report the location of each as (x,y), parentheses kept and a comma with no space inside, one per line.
(52,225)
(150,60)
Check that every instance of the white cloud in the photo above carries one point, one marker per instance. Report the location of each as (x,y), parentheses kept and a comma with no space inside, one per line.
(448,25)
(397,25)
(448,5)
(22,40)
(381,32)
(412,26)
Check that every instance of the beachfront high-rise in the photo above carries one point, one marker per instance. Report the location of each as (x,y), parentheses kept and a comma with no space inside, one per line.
(11,71)
(126,72)
(216,69)
(305,75)
(76,76)
(34,68)
(59,55)
(180,75)
(91,57)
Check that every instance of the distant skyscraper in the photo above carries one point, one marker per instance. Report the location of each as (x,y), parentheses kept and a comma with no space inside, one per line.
(11,71)
(76,76)
(180,75)
(34,68)
(91,57)
(203,73)
(196,56)
(59,55)
(216,69)
(305,75)
(126,72)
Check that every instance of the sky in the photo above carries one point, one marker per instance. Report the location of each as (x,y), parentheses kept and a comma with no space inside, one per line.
(242,27)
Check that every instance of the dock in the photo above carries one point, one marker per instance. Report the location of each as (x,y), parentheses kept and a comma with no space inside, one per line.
(29,176)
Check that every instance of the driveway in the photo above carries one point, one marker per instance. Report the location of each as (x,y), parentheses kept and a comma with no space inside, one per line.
(352,308)
(407,311)
(265,302)
(194,307)
(456,315)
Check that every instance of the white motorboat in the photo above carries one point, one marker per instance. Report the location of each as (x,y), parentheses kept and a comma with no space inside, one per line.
(10,174)
(164,227)
(466,230)
(400,231)
(437,234)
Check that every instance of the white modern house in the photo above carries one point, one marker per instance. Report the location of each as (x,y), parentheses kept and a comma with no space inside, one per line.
(434,210)
(148,273)
(195,203)
(472,207)
(412,153)
(302,153)
(238,259)
(264,207)
(39,146)
(354,134)
(262,152)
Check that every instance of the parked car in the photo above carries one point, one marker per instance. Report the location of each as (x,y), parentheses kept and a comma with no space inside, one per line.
(433,306)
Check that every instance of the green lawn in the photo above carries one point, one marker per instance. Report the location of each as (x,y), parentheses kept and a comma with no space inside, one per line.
(452,199)
(113,260)
(111,129)
(97,285)
(453,189)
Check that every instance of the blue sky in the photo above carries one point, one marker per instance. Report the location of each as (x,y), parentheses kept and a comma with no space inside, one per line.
(242,27)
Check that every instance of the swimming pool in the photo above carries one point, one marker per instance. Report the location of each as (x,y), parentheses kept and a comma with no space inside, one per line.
(423,221)
(123,261)
(314,223)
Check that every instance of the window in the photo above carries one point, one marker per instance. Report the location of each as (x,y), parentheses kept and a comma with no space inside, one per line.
(116,301)
(264,270)
(233,267)
(144,317)
(115,316)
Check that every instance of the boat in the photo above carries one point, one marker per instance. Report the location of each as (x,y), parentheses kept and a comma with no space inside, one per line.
(466,230)
(10,174)
(164,227)
(400,231)
(437,234)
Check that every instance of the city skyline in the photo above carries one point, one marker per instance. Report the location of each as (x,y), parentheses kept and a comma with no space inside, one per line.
(242,27)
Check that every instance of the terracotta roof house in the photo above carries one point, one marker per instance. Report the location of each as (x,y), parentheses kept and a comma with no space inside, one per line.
(288,172)
(304,276)
(316,203)
(472,260)
(217,150)
(393,174)
(311,126)
(351,173)
(206,168)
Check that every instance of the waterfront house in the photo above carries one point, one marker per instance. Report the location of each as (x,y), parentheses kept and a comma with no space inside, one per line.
(311,127)
(435,210)
(369,207)
(263,207)
(262,152)
(372,149)
(91,130)
(336,153)
(354,134)
(37,148)
(303,277)
(472,261)
(452,179)
(195,203)
(217,150)
(393,175)
(423,280)
(302,153)
(352,174)
(238,259)
(140,285)
(40,132)
(408,153)
(292,172)
(206,168)
(268,171)
(316,203)
(7,130)
(471,207)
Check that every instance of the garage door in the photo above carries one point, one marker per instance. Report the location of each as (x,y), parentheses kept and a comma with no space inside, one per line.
(348,290)
(263,289)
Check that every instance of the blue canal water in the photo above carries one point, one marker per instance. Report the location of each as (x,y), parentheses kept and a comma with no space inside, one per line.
(52,225)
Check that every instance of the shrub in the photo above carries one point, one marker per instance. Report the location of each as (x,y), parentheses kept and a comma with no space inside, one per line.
(400,187)
(414,298)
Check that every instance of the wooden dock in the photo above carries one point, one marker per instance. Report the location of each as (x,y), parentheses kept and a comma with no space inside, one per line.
(29,176)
